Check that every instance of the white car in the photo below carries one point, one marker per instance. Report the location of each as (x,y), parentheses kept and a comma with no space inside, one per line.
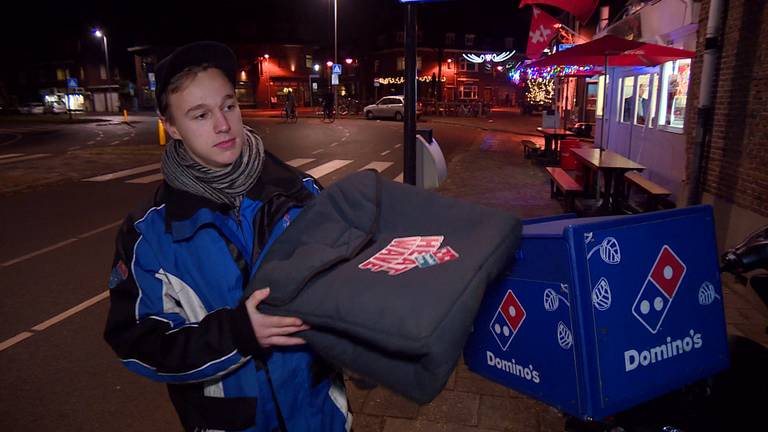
(32,108)
(388,107)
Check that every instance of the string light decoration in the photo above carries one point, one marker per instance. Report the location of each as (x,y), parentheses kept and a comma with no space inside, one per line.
(550,72)
(540,91)
(400,80)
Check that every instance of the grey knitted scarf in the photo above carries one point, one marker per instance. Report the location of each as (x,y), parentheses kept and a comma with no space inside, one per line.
(224,185)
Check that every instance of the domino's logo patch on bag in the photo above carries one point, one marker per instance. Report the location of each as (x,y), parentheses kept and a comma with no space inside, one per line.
(406,253)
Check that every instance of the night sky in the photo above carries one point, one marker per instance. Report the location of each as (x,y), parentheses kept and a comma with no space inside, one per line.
(32,30)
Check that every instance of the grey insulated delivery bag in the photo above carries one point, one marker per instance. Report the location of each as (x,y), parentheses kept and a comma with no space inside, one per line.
(389,277)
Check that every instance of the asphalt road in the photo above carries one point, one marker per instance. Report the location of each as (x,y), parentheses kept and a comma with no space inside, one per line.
(58,217)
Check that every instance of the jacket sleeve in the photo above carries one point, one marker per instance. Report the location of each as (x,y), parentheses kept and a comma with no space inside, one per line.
(151,332)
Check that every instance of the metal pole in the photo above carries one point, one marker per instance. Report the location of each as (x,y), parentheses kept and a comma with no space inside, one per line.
(109,75)
(409,126)
(335,53)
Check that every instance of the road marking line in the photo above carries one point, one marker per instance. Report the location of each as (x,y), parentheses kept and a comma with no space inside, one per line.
(345,138)
(124,173)
(23,158)
(126,138)
(98,230)
(328,167)
(90,142)
(378,166)
(384,153)
(114,142)
(318,151)
(41,251)
(147,179)
(57,319)
(68,313)
(60,244)
(334,144)
(11,155)
(399,178)
(397,145)
(73,148)
(14,340)
(299,162)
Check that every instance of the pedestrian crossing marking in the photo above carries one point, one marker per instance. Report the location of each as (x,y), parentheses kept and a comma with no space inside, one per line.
(299,162)
(23,158)
(399,178)
(378,166)
(319,171)
(147,179)
(124,173)
(328,167)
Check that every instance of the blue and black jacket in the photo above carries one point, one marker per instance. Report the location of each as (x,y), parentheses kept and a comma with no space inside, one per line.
(177,313)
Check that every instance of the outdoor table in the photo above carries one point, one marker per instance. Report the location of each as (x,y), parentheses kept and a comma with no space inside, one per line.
(612,166)
(552,138)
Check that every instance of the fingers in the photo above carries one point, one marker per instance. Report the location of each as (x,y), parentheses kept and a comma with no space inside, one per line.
(283,341)
(257,297)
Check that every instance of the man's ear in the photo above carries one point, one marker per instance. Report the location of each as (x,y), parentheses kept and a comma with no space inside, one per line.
(172,131)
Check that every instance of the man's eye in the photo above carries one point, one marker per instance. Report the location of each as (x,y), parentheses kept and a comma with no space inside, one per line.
(201,116)
(229,107)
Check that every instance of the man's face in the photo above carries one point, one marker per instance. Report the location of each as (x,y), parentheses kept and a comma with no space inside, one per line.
(206,117)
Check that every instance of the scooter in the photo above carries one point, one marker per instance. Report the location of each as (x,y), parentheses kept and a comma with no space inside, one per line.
(733,400)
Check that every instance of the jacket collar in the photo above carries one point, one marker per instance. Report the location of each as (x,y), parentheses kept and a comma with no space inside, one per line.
(186,212)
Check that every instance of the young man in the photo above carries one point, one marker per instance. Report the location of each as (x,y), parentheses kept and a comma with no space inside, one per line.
(177,315)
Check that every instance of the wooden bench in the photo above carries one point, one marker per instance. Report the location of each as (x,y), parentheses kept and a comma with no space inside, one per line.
(561,180)
(653,192)
(529,148)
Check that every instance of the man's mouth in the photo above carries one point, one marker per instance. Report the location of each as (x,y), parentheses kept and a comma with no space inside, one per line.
(227,144)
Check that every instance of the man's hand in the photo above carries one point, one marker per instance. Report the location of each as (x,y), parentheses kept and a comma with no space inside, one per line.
(272,330)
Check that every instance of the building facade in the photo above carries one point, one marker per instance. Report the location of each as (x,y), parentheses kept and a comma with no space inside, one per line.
(457,67)
(644,114)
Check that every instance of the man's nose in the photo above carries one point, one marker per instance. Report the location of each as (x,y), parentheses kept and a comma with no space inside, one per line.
(221,124)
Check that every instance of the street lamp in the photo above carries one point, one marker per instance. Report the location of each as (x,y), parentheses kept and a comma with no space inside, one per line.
(99,34)
(269,84)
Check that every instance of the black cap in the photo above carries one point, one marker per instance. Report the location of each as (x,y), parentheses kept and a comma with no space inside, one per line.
(215,54)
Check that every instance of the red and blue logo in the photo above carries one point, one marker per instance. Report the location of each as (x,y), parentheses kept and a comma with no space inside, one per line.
(508,319)
(661,285)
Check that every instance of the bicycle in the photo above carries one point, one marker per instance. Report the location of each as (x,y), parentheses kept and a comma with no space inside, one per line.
(328,116)
(289,116)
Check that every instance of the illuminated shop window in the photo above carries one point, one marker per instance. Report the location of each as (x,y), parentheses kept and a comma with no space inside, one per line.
(627,87)
(601,93)
(642,102)
(674,93)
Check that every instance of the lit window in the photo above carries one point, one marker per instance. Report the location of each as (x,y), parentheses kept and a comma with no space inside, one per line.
(674,93)
(418,63)
(469,40)
(308,61)
(627,85)
(401,63)
(641,101)
(468,92)
(61,74)
(600,94)
(653,90)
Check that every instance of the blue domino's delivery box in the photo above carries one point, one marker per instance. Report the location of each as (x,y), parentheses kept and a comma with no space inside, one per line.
(600,314)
